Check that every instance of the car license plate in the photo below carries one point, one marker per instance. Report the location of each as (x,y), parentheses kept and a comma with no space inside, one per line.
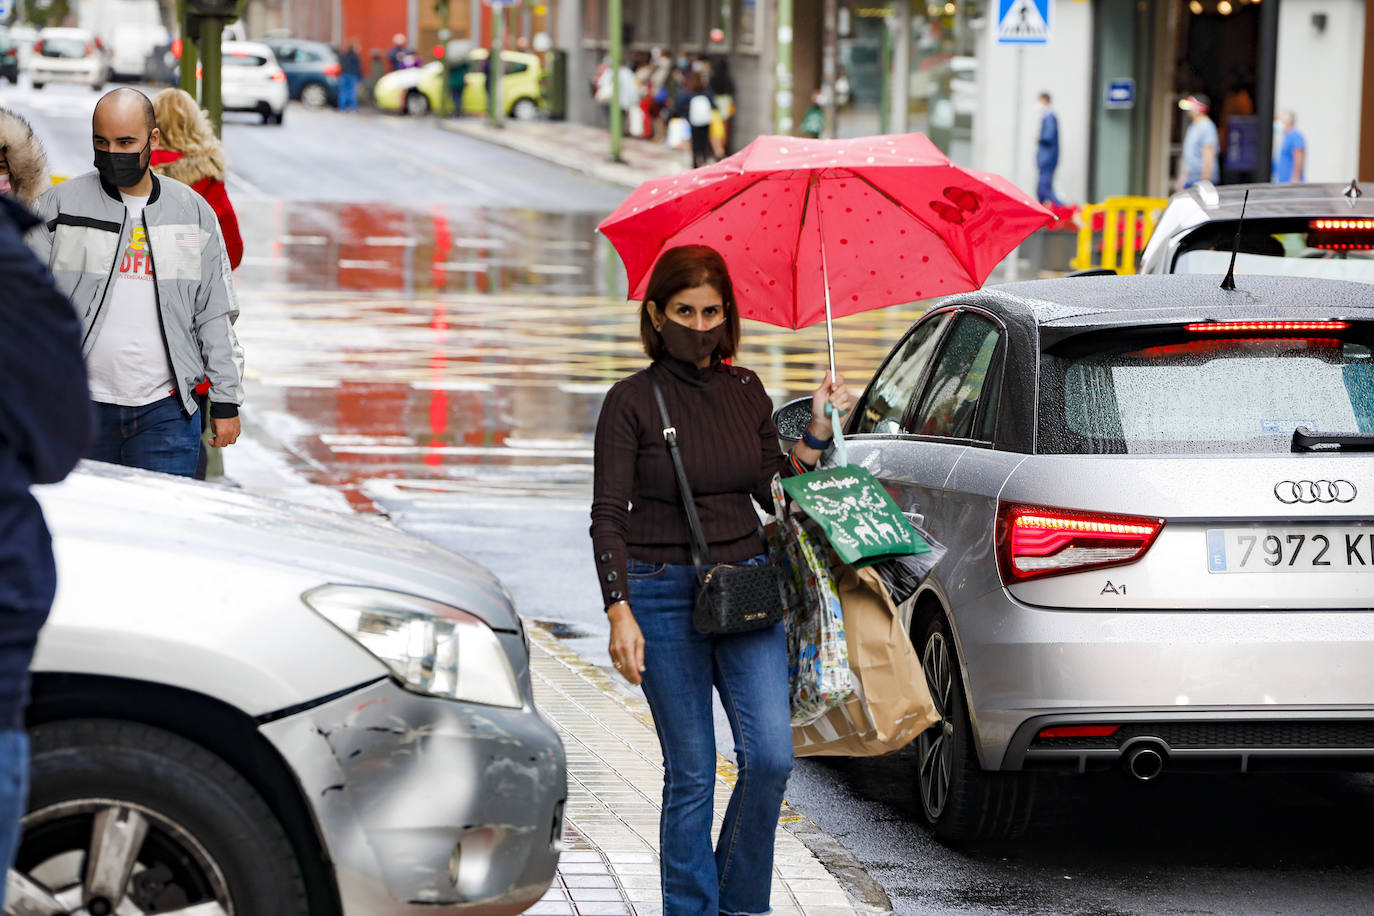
(1291,548)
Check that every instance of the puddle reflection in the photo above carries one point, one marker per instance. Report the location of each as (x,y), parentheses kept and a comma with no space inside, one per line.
(465,344)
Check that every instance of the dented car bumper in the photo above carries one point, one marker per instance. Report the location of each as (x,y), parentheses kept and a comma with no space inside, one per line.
(427,805)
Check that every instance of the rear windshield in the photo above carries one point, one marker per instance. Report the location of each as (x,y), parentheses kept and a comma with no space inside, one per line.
(1339,249)
(1168,391)
(244,59)
(64,47)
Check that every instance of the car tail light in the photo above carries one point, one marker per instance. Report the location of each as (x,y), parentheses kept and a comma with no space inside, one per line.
(332,69)
(1079,731)
(176,49)
(90,49)
(278,76)
(1038,541)
(1264,327)
(38,47)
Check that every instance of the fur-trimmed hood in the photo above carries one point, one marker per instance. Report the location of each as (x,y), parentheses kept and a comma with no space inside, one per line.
(189,168)
(28,163)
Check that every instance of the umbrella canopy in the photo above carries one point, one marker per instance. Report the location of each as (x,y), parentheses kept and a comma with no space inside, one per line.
(803,223)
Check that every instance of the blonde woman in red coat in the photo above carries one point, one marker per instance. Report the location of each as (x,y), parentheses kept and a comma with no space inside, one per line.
(191,154)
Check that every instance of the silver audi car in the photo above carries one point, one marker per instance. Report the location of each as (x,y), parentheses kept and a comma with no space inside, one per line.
(1157,502)
(243,707)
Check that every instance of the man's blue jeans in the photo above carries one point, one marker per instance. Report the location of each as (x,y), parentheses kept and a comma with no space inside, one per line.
(14,793)
(156,437)
(348,93)
(749,670)
(1044,189)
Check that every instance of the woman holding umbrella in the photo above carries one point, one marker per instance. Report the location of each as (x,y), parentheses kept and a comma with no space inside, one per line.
(689,325)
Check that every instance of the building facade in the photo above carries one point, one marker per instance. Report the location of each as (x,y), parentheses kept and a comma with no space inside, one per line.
(1115,70)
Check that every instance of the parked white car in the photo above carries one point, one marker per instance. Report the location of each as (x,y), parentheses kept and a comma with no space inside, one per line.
(243,706)
(130,47)
(67,56)
(252,80)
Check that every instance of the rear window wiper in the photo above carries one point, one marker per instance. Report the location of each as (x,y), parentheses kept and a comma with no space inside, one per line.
(1305,440)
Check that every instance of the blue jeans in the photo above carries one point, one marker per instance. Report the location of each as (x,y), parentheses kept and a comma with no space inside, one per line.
(750,672)
(14,793)
(156,437)
(348,93)
(1044,189)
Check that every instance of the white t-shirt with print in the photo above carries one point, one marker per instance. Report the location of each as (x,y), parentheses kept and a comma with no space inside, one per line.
(129,365)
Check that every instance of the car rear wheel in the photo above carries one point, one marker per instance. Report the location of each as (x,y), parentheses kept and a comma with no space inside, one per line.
(959,799)
(524,110)
(416,103)
(315,95)
(125,818)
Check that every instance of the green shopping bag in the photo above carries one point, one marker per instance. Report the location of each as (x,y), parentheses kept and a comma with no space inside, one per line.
(851,507)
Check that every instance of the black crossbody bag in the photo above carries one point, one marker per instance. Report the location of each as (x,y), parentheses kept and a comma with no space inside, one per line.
(730,599)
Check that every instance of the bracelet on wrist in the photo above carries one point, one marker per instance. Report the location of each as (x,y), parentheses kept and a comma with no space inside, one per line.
(811,441)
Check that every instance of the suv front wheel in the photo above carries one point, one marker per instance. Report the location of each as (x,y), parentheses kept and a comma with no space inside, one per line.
(125,818)
(960,800)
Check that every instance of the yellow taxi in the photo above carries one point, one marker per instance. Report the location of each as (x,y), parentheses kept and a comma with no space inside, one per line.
(420,90)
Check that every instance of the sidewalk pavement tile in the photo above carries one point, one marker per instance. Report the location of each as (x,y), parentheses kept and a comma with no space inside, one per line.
(615,776)
(579,147)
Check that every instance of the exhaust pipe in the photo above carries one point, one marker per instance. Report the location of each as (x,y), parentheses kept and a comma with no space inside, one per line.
(1145,762)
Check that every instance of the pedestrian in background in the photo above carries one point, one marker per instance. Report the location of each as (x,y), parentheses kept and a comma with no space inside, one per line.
(350,75)
(45,426)
(396,57)
(23,164)
(1200,143)
(1047,152)
(690,326)
(697,106)
(190,153)
(143,261)
(722,86)
(1290,160)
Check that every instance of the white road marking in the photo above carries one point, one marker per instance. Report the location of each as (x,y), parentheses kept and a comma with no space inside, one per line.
(478,243)
(555,270)
(456,266)
(391,241)
(349,264)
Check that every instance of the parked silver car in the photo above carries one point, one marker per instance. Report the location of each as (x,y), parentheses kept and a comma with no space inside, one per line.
(1293,230)
(1147,564)
(241,706)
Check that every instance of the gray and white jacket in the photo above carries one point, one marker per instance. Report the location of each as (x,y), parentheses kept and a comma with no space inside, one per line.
(86,226)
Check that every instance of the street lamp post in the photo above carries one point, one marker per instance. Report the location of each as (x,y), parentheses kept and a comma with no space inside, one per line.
(495,65)
(782,98)
(616,40)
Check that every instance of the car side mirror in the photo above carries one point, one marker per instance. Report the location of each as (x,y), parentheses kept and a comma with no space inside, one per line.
(792,419)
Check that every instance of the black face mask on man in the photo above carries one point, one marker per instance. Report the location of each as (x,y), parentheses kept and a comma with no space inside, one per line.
(688,344)
(123,170)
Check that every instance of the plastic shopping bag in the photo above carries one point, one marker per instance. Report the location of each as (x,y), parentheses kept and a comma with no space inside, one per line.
(817,652)
(679,133)
(891,704)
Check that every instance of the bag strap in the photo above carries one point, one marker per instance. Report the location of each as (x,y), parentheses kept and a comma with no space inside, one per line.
(700,555)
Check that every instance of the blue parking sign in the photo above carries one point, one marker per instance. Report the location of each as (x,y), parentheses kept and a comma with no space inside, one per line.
(1024,22)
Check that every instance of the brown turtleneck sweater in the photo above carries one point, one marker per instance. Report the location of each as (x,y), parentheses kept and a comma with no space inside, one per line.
(729,444)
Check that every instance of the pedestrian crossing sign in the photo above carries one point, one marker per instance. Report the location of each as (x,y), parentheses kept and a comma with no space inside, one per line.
(1024,22)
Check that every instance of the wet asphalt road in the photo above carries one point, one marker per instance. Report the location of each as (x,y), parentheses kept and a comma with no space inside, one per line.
(430,325)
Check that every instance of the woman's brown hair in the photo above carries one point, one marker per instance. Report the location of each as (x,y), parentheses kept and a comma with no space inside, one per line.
(683,268)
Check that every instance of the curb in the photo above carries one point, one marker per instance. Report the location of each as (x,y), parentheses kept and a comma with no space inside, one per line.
(866,895)
(624,174)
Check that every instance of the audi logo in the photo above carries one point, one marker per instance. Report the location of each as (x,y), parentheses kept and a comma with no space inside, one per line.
(1289,492)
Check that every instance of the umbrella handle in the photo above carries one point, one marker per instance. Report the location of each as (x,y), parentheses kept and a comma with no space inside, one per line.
(841,450)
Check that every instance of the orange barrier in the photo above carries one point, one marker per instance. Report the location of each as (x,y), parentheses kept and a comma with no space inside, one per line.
(1113,233)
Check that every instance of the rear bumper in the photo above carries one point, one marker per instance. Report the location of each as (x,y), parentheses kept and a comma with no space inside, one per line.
(1235,740)
(1026,667)
(430,806)
(234,99)
(84,77)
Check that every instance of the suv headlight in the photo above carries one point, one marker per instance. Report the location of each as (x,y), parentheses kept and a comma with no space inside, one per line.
(433,648)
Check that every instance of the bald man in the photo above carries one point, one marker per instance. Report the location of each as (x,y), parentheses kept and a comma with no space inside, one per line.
(142,260)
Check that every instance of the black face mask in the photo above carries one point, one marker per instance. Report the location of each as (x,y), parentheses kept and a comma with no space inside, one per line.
(688,344)
(123,170)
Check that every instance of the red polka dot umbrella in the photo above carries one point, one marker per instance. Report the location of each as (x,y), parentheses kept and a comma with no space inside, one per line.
(815,229)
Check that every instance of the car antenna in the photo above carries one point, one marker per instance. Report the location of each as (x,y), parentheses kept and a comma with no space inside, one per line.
(1228,282)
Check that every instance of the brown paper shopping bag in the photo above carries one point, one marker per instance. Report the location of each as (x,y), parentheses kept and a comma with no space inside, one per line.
(891,703)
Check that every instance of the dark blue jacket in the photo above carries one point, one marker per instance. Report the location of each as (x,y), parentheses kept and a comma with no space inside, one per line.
(46,423)
(1047,151)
